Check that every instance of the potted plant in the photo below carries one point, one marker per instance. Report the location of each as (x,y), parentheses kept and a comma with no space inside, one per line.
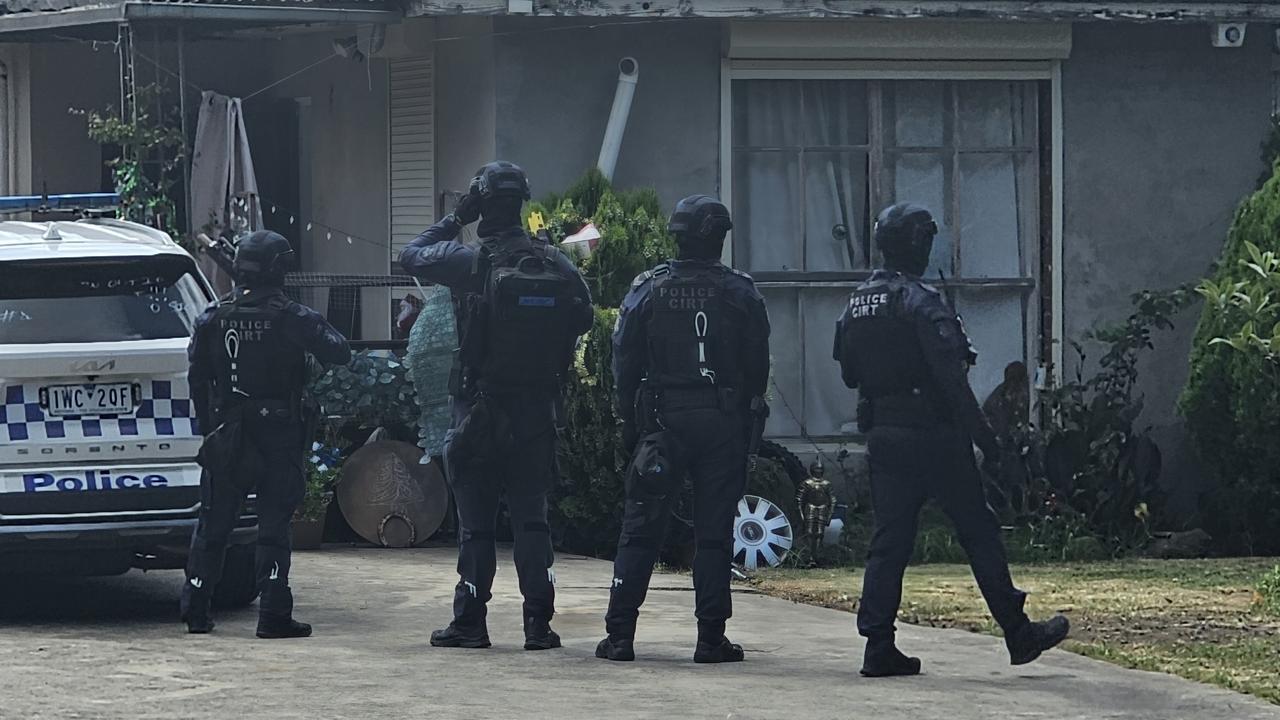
(308,520)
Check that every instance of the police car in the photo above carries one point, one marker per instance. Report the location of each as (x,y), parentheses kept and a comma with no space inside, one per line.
(98,435)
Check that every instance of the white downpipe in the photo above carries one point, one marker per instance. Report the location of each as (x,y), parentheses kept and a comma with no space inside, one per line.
(628,75)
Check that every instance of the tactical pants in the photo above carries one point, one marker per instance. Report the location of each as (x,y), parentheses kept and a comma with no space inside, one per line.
(271,460)
(525,474)
(714,443)
(908,466)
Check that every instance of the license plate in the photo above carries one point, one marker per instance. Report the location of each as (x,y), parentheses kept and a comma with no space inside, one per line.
(88,399)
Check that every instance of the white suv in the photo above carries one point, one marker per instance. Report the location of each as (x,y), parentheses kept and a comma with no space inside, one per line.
(98,434)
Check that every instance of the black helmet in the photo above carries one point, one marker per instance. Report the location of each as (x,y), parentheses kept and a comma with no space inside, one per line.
(700,218)
(262,257)
(904,233)
(501,179)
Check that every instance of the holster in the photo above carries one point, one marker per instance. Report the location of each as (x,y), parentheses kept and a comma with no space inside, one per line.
(482,437)
(657,468)
(223,447)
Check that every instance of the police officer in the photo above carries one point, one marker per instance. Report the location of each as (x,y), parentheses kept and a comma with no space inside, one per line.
(690,362)
(503,435)
(900,344)
(248,357)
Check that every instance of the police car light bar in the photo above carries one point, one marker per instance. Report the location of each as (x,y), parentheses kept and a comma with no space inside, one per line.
(45,203)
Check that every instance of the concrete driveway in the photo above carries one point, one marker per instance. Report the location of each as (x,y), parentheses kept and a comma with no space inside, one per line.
(112,648)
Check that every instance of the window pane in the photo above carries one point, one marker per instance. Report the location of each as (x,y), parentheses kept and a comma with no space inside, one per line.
(835,211)
(998,205)
(830,407)
(915,114)
(835,113)
(995,114)
(994,322)
(922,178)
(766,113)
(786,402)
(766,205)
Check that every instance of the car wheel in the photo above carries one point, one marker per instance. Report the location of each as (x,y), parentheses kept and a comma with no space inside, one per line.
(239,585)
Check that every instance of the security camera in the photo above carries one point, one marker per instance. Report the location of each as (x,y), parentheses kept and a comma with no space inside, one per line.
(1229,35)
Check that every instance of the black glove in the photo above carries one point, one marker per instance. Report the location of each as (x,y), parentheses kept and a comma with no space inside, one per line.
(467,210)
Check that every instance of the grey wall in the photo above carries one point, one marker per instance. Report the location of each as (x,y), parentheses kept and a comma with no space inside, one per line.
(1161,138)
(63,76)
(465,105)
(555,89)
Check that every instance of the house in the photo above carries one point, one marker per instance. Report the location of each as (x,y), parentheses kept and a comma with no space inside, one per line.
(1076,151)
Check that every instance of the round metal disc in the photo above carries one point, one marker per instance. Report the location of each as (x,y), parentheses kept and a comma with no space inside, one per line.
(389,498)
(761,534)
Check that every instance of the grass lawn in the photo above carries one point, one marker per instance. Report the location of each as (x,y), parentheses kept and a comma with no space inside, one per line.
(1193,618)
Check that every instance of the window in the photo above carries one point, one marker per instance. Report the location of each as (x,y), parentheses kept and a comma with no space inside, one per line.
(813,160)
(100,301)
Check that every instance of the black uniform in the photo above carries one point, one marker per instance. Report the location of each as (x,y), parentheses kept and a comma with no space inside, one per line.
(692,346)
(525,469)
(904,347)
(248,369)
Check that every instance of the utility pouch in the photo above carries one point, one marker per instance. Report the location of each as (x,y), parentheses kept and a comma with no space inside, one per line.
(656,470)
(223,447)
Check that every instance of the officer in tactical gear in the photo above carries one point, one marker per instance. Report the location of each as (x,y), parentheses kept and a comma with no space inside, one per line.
(520,306)
(904,348)
(248,370)
(690,361)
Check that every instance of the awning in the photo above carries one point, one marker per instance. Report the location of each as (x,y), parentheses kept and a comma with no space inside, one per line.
(44,19)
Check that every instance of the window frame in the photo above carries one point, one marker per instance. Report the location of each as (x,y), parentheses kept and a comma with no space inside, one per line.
(1042,283)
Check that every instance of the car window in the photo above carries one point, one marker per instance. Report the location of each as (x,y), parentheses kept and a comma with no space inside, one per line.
(99,301)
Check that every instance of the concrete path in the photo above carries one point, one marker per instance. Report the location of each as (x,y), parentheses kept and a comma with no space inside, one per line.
(112,648)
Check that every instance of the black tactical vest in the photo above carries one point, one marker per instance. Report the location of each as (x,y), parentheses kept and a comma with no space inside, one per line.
(694,331)
(254,359)
(879,338)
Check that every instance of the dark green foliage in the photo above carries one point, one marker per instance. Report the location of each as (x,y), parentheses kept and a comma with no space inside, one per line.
(1231,399)
(372,390)
(587,504)
(1098,466)
(151,149)
(1270,149)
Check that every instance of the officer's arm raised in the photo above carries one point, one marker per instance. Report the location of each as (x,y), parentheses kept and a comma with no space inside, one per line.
(946,353)
(436,256)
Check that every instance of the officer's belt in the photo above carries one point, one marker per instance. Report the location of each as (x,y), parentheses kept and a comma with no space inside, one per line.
(268,408)
(911,409)
(698,398)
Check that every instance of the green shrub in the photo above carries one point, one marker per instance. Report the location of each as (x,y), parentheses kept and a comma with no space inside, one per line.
(372,390)
(1234,388)
(1269,591)
(586,508)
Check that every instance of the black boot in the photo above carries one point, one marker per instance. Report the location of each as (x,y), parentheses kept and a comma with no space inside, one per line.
(617,649)
(459,637)
(884,659)
(538,635)
(275,627)
(717,651)
(1026,644)
(194,609)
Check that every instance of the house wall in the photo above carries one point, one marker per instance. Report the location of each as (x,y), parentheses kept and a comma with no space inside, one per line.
(65,76)
(1161,137)
(344,119)
(466,106)
(555,86)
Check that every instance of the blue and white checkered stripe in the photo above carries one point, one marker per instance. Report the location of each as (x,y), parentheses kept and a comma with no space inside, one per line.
(165,411)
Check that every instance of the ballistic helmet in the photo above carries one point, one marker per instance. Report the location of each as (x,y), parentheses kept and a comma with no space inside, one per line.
(501,179)
(699,225)
(262,258)
(904,234)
